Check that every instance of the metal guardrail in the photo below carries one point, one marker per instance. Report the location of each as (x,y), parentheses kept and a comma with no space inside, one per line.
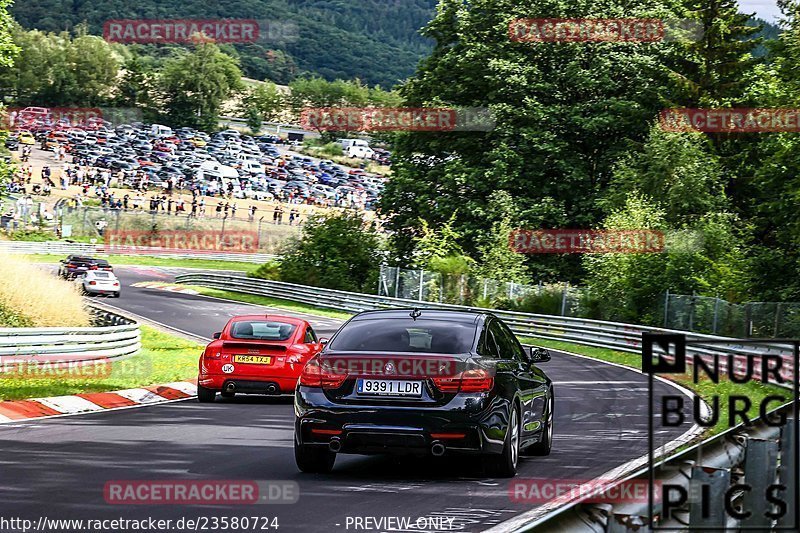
(113,336)
(596,333)
(66,248)
(760,455)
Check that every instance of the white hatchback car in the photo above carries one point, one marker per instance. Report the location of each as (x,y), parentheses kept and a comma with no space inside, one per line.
(100,282)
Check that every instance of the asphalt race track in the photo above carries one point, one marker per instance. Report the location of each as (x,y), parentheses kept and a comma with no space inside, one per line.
(58,467)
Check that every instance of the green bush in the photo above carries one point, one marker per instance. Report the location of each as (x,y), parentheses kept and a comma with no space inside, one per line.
(337,251)
(332,149)
(270,270)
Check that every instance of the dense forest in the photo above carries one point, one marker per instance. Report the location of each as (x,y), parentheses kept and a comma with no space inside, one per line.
(376,41)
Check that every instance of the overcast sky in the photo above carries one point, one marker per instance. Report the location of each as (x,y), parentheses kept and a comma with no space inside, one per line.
(765,9)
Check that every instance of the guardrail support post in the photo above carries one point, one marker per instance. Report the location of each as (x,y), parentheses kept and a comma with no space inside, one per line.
(706,491)
(788,473)
(622,523)
(761,460)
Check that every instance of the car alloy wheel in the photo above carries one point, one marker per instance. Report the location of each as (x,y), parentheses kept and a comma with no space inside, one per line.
(514,440)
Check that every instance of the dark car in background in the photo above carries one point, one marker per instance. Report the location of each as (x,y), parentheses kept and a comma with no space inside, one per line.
(100,264)
(74,266)
(429,382)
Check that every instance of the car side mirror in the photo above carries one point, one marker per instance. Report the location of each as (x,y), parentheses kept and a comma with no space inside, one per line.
(539,355)
(323,341)
(216,335)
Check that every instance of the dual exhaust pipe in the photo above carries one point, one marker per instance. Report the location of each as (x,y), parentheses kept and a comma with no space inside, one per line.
(272,388)
(437,448)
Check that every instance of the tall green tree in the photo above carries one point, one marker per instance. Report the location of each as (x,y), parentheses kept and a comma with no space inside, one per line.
(263,100)
(194,86)
(8,49)
(61,69)
(715,69)
(565,112)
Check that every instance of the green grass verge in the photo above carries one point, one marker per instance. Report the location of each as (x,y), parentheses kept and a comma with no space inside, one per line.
(269,302)
(164,358)
(208,264)
(704,387)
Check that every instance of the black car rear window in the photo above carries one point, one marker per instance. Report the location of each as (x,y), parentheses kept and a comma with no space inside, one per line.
(393,335)
(262,330)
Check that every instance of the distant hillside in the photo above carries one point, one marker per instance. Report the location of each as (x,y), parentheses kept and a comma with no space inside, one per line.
(374,40)
(769,32)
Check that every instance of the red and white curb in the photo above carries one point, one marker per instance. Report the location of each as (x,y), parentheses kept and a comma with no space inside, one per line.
(160,286)
(14,410)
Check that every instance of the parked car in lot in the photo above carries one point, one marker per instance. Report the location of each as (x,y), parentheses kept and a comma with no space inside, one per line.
(428,382)
(256,354)
(95,282)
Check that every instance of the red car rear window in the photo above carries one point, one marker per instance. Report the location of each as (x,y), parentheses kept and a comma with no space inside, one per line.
(262,330)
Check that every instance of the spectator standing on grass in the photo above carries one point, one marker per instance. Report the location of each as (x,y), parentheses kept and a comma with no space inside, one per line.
(280,214)
(218,209)
(292,216)
(194,205)
(125,200)
(252,213)
(169,205)
(227,208)
(233,211)
(202,207)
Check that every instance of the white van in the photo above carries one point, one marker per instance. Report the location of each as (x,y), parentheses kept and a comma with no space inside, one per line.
(215,169)
(347,143)
(252,167)
(361,152)
(157,130)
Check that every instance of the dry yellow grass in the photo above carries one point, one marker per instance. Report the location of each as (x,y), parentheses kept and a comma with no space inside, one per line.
(29,291)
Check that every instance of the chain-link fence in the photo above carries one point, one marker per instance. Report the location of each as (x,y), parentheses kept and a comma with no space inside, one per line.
(719,317)
(427,286)
(92,222)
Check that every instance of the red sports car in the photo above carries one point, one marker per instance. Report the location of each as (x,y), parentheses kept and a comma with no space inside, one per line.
(256,354)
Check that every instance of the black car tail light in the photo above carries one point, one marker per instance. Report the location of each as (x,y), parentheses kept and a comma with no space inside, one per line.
(474,380)
(320,375)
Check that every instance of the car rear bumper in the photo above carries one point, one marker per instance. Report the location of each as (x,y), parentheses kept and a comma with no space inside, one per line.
(470,424)
(92,290)
(248,384)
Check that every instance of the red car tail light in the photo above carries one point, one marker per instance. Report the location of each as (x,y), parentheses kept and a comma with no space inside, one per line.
(116,284)
(447,384)
(211,355)
(316,375)
(443,436)
(92,283)
(474,380)
(318,431)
